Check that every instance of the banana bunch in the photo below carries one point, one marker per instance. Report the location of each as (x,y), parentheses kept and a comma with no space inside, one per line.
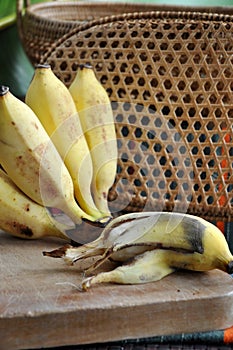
(148,246)
(57,112)
(45,154)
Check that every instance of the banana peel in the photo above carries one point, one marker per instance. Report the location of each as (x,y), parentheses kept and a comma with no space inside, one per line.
(150,245)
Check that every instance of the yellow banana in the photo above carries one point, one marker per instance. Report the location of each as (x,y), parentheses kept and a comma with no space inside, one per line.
(22,217)
(52,102)
(32,161)
(95,113)
(152,245)
(143,268)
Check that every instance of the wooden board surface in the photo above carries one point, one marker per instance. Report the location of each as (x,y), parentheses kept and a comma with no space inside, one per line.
(39,308)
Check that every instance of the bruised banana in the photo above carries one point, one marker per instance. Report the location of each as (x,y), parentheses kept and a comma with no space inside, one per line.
(151,245)
(22,217)
(96,116)
(53,104)
(31,159)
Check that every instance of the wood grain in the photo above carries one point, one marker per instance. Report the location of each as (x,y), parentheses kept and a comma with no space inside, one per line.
(40,308)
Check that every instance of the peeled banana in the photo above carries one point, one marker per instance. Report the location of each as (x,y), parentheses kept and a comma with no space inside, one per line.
(96,116)
(31,159)
(22,217)
(53,104)
(150,245)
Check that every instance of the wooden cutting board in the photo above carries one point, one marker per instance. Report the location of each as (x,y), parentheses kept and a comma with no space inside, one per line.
(40,308)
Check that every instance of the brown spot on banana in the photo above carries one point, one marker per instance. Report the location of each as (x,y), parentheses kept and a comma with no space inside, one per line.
(23,230)
(27,207)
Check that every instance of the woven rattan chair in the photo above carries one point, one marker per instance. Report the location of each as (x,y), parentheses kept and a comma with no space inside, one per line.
(169,77)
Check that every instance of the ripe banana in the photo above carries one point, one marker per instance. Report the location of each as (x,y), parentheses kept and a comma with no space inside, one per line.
(31,159)
(53,104)
(152,245)
(95,113)
(22,217)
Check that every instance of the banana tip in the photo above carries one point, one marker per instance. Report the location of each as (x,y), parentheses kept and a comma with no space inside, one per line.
(57,253)
(102,222)
(3,90)
(85,65)
(230,267)
(44,65)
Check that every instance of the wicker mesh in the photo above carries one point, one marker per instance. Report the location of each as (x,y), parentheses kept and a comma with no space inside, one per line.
(170,79)
(40,25)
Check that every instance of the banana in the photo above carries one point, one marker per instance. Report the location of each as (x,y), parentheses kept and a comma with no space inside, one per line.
(147,267)
(22,217)
(95,113)
(151,245)
(31,160)
(53,104)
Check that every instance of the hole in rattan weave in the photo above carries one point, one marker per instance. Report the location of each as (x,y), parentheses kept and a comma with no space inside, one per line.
(148,69)
(230,113)
(134,94)
(132,119)
(151,135)
(167,84)
(158,35)
(179,111)
(141,81)
(63,66)
(138,132)
(183,58)
(138,44)
(143,56)
(177,46)
(226,99)
(194,86)
(169,58)
(175,71)
(173,98)
(162,70)
(197,125)
(126,44)
(165,110)
(154,82)
(137,158)
(212,99)
(144,146)
(136,68)
(160,96)
(218,113)
(189,72)
(205,112)
(169,148)
(163,46)
(156,57)
(220,86)
(145,120)
(181,85)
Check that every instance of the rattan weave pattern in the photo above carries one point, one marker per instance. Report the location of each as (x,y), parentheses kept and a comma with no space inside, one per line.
(41,24)
(170,79)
